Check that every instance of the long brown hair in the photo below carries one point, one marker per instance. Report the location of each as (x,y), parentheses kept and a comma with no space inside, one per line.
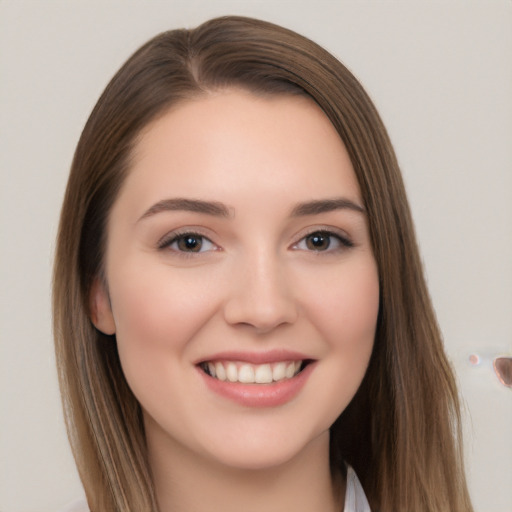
(401,432)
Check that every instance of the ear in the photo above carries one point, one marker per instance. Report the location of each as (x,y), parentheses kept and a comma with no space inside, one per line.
(101,311)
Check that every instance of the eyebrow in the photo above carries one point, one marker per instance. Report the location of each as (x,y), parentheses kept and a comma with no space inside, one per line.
(326,205)
(217,209)
(190,205)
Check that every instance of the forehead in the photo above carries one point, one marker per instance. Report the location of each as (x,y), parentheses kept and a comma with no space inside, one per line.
(254,143)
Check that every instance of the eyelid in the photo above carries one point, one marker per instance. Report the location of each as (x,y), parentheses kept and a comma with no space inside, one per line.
(344,239)
(169,238)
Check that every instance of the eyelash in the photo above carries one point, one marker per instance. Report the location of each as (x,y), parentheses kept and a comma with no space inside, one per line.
(174,238)
(343,241)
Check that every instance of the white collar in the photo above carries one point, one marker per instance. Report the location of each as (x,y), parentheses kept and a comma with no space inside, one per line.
(355,498)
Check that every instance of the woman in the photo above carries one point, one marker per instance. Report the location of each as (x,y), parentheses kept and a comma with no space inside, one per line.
(239,302)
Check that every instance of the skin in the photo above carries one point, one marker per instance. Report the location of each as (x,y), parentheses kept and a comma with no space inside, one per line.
(258,283)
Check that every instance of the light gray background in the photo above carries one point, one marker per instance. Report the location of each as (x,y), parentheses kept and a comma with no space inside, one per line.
(441,75)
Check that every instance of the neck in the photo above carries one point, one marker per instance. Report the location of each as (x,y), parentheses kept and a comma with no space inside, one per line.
(186,482)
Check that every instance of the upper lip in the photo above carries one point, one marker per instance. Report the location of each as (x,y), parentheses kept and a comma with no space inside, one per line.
(270,356)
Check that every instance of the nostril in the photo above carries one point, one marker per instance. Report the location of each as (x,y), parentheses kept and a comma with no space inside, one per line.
(262,316)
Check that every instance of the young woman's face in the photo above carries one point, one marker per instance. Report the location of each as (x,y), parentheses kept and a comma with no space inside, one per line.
(242,286)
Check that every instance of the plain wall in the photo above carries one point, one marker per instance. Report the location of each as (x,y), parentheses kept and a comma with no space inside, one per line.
(440,74)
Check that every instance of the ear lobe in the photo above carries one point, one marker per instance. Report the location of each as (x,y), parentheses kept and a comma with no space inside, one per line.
(101,311)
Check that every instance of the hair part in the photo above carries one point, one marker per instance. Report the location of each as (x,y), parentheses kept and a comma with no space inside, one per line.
(402,430)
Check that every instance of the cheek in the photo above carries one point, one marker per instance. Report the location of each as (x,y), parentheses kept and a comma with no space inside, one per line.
(344,311)
(157,302)
(156,315)
(345,306)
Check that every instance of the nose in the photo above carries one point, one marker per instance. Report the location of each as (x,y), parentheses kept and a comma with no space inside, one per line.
(261,296)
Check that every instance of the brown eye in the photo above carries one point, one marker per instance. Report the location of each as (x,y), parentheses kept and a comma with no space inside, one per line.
(324,241)
(189,243)
(318,241)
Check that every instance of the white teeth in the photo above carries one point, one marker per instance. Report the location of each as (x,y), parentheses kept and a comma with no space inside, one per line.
(290,370)
(279,371)
(251,373)
(263,374)
(232,372)
(246,374)
(220,371)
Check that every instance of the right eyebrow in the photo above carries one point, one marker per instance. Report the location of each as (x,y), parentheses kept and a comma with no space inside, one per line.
(317,207)
(190,205)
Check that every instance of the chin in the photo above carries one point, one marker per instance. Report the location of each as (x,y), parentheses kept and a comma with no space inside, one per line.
(268,451)
(256,460)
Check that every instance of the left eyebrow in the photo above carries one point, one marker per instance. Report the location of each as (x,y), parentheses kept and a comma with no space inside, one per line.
(326,205)
(213,208)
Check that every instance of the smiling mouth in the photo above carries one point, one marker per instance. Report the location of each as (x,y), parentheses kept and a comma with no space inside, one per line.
(247,373)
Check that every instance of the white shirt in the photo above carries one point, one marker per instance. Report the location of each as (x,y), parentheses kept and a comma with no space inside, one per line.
(355,498)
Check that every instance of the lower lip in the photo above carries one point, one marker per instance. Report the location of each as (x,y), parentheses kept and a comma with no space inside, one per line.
(259,395)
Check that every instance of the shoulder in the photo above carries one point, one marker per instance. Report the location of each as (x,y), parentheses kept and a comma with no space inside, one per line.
(76,506)
(355,498)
